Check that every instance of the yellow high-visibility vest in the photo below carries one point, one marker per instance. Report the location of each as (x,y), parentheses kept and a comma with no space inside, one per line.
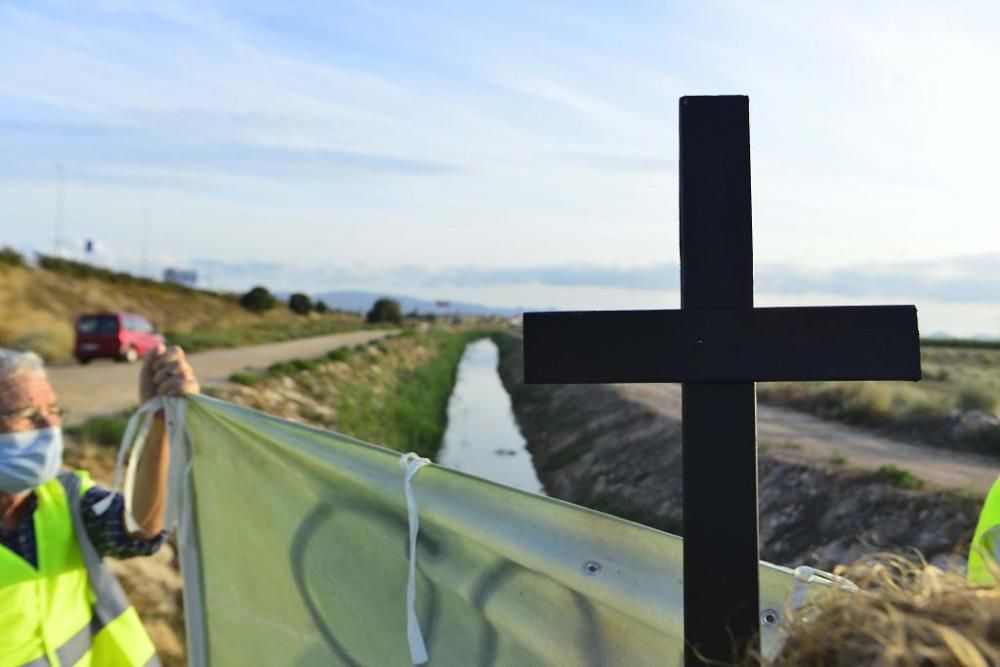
(986,542)
(70,611)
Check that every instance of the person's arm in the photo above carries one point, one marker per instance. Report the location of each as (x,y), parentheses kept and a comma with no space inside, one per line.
(165,372)
(149,496)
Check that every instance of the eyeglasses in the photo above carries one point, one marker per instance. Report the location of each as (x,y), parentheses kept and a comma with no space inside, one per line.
(32,414)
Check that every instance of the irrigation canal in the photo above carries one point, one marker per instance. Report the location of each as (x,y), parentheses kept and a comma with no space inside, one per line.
(482,438)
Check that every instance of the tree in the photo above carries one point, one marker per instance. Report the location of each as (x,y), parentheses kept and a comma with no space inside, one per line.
(300,303)
(385,310)
(258,300)
(321,307)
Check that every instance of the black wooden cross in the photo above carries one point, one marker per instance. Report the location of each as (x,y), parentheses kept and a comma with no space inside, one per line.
(718,345)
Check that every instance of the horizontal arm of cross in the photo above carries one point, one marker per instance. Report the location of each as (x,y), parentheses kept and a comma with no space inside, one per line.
(760,344)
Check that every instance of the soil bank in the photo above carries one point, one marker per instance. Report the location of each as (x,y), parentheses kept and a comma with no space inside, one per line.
(595,447)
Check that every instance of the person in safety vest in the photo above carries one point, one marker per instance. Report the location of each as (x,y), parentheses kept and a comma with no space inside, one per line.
(984,552)
(59,605)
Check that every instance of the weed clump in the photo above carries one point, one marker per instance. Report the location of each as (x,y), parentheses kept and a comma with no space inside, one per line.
(899,477)
(291,367)
(105,430)
(978,398)
(245,379)
(340,354)
(906,614)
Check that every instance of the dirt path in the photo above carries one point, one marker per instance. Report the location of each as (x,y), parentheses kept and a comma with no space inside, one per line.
(104,386)
(801,438)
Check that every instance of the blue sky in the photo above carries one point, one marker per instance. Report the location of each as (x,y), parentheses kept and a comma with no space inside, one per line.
(515,153)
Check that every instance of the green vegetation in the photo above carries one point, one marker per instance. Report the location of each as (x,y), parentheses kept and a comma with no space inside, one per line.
(414,415)
(896,476)
(244,378)
(960,343)
(956,379)
(107,430)
(258,300)
(300,304)
(393,392)
(838,459)
(865,403)
(321,307)
(977,398)
(265,331)
(11,257)
(340,354)
(290,367)
(385,310)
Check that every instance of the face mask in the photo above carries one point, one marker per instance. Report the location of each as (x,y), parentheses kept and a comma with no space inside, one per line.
(29,458)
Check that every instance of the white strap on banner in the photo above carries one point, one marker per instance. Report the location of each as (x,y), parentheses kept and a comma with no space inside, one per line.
(418,650)
(136,430)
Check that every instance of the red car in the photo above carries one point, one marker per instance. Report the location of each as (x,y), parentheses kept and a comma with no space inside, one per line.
(120,336)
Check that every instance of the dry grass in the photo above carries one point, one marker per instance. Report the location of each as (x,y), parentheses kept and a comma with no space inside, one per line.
(956,380)
(38,308)
(906,614)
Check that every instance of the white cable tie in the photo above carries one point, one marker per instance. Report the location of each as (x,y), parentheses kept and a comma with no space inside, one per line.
(804,576)
(418,650)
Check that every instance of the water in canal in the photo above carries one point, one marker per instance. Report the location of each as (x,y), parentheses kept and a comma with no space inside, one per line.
(482,437)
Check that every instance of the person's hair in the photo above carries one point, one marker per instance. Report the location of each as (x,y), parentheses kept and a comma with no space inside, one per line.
(907,614)
(14,362)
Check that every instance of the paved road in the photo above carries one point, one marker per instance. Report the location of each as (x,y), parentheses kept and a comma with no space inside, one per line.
(102,387)
(800,437)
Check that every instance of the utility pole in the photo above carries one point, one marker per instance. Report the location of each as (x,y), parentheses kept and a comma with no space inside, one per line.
(145,241)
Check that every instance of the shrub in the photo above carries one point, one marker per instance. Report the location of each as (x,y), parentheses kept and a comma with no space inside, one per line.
(896,476)
(321,307)
(300,304)
(977,398)
(291,367)
(385,310)
(258,300)
(107,430)
(11,257)
(245,379)
(340,354)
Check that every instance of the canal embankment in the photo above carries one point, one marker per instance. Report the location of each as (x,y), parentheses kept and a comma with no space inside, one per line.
(594,446)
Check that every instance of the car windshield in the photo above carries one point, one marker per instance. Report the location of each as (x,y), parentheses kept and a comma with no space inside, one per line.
(98,324)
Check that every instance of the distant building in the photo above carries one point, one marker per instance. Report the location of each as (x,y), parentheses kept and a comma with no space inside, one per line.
(185,277)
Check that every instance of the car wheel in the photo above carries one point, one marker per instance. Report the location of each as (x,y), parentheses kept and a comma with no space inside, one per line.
(84,361)
(130,356)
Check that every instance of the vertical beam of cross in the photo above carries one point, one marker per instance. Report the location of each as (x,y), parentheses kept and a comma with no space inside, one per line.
(718,345)
(721,591)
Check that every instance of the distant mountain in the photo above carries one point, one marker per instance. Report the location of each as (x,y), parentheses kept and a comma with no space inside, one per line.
(358,301)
